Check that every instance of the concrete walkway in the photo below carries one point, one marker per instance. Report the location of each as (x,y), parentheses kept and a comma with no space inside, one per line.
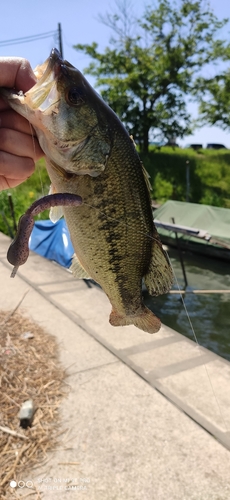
(140,405)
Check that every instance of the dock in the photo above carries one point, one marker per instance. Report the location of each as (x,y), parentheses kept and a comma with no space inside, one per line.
(148,415)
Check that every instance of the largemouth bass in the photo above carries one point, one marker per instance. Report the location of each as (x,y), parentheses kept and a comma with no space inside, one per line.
(90,154)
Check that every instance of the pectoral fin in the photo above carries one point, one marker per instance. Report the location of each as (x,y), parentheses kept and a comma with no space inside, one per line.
(159,277)
(55,213)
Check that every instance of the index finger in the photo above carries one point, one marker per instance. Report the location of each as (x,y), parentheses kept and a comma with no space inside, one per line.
(16,72)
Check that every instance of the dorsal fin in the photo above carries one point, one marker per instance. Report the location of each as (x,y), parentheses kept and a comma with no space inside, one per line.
(147,177)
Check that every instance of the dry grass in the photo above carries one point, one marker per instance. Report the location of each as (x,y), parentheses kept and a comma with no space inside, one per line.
(29,369)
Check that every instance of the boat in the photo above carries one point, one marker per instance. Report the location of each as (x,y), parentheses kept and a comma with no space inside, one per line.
(202,229)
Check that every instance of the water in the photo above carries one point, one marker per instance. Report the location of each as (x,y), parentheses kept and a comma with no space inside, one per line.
(209,314)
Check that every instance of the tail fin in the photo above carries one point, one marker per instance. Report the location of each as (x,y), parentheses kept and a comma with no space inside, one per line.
(145,320)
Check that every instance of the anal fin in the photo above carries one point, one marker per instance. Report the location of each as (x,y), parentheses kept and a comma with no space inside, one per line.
(78,270)
(55,213)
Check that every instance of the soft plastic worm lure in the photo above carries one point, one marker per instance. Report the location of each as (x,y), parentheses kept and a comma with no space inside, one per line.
(18,251)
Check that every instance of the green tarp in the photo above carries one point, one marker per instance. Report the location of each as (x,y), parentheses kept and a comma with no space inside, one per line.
(214,220)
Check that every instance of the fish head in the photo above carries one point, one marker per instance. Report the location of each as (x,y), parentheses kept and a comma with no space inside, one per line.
(67,115)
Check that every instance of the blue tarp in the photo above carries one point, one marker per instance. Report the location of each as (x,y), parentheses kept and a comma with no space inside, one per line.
(52,241)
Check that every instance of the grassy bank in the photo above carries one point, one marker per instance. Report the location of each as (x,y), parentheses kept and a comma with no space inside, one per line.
(23,196)
(209,173)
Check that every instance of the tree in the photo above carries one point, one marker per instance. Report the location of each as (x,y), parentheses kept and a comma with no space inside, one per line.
(214,96)
(152,63)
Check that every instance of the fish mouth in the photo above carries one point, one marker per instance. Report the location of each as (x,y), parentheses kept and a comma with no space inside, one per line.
(44,94)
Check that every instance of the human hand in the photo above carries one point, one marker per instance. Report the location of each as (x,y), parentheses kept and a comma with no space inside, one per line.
(19,147)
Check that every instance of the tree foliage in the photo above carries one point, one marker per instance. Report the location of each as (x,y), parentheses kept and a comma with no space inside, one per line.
(151,64)
(214,96)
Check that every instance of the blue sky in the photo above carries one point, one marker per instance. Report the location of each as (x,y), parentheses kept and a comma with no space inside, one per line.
(80,25)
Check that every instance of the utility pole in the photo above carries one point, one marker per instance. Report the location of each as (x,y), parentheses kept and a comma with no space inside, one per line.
(60,40)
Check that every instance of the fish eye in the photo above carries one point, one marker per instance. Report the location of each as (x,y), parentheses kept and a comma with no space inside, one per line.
(75,96)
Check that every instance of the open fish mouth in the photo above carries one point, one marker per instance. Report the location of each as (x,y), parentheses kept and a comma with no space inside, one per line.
(44,94)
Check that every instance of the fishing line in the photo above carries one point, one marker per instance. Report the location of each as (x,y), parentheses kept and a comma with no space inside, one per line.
(198,345)
(183,302)
(182,299)
(34,149)
(39,166)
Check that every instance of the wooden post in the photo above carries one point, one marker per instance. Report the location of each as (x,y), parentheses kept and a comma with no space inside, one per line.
(180,256)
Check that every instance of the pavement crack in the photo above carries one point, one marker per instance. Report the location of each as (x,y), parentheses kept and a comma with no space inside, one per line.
(93,368)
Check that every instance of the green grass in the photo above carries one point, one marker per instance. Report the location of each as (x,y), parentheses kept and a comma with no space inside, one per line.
(209,173)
